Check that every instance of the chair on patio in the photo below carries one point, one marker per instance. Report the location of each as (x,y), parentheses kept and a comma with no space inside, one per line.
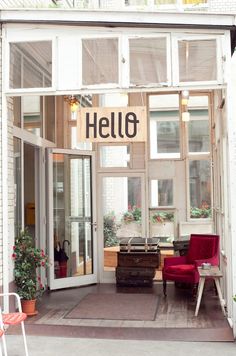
(16,318)
(184,269)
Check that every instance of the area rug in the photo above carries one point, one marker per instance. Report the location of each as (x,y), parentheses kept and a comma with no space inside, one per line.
(117,306)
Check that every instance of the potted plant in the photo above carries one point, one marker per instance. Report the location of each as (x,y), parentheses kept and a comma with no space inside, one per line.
(133,214)
(27,260)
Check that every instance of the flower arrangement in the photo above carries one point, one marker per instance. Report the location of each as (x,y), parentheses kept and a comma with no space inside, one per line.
(27,260)
(133,214)
(162,217)
(203,212)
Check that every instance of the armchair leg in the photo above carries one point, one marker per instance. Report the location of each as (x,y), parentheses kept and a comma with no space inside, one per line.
(164,287)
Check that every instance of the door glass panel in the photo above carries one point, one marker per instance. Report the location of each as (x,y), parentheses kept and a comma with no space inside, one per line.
(121,214)
(72,215)
(17,185)
(30,186)
(200,189)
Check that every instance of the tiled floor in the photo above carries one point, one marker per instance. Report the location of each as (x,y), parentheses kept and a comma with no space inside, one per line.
(174,317)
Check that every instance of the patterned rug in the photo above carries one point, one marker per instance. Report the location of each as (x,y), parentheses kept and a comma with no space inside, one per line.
(117,306)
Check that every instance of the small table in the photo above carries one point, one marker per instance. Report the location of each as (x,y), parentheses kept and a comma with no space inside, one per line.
(216,274)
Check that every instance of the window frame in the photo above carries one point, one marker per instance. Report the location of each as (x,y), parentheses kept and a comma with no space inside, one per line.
(206,157)
(176,38)
(100,168)
(199,154)
(163,207)
(24,91)
(165,35)
(166,156)
(119,59)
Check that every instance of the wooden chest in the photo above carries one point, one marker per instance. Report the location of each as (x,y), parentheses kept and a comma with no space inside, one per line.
(138,259)
(139,244)
(129,276)
(181,246)
(136,268)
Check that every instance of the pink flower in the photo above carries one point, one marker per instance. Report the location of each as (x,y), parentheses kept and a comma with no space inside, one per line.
(13,255)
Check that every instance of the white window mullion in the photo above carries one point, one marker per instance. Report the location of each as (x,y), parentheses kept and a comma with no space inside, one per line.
(124,62)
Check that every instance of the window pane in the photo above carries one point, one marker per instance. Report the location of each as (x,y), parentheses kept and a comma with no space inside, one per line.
(122,201)
(16,110)
(148,61)
(198,126)
(198,135)
(164,126)
(161,192)
(50,118)
(197,60)
(17,186)
(114,156)
(32,114)
(100,61)
(74,141)
(168,137)
(200,188)
(31,64)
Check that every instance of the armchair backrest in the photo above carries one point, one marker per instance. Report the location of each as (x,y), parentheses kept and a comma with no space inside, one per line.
(203,246)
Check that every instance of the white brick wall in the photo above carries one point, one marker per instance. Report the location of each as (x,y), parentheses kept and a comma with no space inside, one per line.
(222,6)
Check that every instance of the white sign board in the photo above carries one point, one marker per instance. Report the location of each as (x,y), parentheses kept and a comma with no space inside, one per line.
(122,124)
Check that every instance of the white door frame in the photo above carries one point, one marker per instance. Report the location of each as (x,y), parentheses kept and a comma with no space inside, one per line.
(80,280)
(109,276)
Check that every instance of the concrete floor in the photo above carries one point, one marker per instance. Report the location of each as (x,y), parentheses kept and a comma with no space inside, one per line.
(50,346)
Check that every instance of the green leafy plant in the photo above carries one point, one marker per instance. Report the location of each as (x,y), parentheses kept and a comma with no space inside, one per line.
(199,213)
(133,214)
(162,217)
(110,228)
(234,298)
(27,260)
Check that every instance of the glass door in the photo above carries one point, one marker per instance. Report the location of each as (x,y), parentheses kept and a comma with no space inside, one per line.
(121,215)
(72,224)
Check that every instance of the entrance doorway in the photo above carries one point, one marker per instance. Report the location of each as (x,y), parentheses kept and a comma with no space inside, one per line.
(72,223)
(122,214)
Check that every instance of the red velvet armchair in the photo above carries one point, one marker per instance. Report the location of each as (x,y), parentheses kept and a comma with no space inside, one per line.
(202,248)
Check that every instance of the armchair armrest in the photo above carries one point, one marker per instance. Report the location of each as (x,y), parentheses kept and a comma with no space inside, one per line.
(178,260)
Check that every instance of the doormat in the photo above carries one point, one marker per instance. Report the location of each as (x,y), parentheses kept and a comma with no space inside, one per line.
(118,306)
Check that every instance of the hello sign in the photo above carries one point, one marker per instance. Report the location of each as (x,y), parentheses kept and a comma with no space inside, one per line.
(112,124)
